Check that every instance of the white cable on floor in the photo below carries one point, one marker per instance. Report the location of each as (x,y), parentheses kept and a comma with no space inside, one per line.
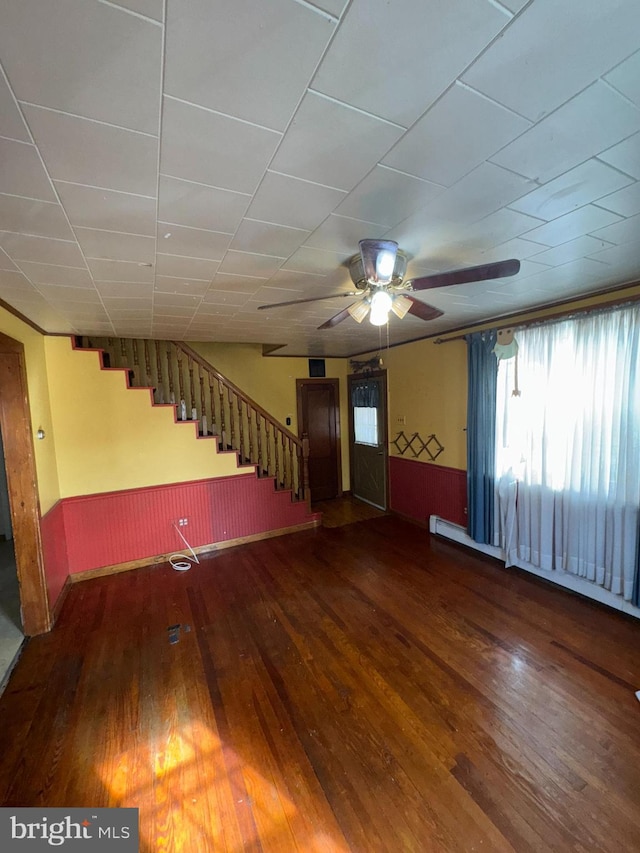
(182,562)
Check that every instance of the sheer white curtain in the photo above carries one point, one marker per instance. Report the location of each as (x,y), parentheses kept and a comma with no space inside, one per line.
(568,449)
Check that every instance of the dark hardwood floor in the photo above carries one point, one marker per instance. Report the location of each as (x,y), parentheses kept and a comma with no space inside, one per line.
(356,688)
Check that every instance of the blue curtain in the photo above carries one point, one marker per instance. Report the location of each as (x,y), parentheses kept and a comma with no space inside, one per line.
(635,593)
(481,433)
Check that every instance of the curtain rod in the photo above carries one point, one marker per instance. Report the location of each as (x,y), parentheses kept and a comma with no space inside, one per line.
(549,318)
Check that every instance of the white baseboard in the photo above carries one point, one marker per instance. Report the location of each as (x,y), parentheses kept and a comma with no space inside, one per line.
(452,531)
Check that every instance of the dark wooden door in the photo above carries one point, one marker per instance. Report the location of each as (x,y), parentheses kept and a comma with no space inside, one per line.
(319,418)
(368,438)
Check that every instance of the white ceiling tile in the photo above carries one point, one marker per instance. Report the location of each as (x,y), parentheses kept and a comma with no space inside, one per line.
(585,220)
(107,270)
(478,194)
(626,78)
(225,297)
(12,124)
(556,279)
(626,201)
(267,239)
(624,156)
(249,263)
(15,282)
(214,149)
(192,242)
(5,261)
(108,210)
(239,283)
(87,68)
(87,152)
(570,251)
(340,234)
(260,61)
(182,267)
(297,282)
(149,8)
(552,51)
(339,159)
(575,188)
(441,148)
(124,289)
(192,287)
(199,206)
(28,216)
(22,172)
(495,228)
(56,275)
(188,301)
(116,247)
(625,255)
(387,196)
(426,49)
(620,232)
(128,305)
(24,247)
(318,261)
(289,201)
(60,294)
(592,121)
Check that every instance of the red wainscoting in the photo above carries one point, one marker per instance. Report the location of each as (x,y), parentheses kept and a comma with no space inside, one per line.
(120,527)
(420,489)
(54,551)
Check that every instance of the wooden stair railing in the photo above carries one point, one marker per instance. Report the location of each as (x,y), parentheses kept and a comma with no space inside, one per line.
(182,377)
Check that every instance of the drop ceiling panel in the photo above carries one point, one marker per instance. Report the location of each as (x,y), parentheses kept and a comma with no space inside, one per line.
(57,275)
(249,263)
(585,220)
(626,78)
(214,149)
(178,266)
(86,68)
(87,152)
(244,59)
(340,234)
(308,260)
(124,289)
(116,247)
(12,124)
(458,133)
(25,247)
(387,196)
(5,261)
(425,58)
(192,242)
(200,206)
(108,210)
(43,218)
(577,187)
(589,123)
(622,231)
(624,156)
(22,172)
(192,287)
(552,51)
(626,201)
(63,295)
(149,8)
(268,239)
(289,201)
(339,159)
(570,251)
(107,270)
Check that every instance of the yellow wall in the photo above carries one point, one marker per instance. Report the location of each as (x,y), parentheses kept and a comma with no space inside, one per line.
(271,382)
(36,367)
(108,438)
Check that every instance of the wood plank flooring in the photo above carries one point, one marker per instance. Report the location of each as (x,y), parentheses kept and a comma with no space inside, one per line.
(357,688)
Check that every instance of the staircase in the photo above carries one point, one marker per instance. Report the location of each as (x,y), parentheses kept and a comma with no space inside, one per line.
(180,376)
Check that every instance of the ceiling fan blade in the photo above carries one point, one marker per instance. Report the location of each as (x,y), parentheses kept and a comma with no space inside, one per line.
(422,310)
(310,299)
(337,318)
(484,272)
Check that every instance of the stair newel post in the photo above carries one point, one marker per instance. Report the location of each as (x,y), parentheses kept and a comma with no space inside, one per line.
(136,363)
(212,401)
(192,391)
(181,384)
(292,478)
(232,423)
(172,393)
(241,430)
(285,481)
(306,492)
(223,420)
(276,450)
(123,352)
(268,440)
(147,364)
(259,440)
(250,431)
(203,403)
(159,377)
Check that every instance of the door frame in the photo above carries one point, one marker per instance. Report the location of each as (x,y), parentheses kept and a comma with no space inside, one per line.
(22,482)
(300,383)
(351,378)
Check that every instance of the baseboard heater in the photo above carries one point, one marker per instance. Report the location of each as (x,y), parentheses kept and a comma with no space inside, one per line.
(449,530)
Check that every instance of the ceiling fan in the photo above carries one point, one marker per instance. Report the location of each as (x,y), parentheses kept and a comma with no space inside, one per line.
(378,274)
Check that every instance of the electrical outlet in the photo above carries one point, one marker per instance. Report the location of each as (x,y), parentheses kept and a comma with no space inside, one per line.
(182,522)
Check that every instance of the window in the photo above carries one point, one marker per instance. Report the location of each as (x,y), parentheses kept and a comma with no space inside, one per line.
(365,425)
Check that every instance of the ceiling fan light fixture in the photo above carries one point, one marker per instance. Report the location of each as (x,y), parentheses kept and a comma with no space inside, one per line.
(359,310)
(378,260)
(381,304)
(401,305)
